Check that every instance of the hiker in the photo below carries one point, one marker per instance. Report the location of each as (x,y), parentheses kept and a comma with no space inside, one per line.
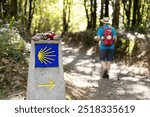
(106,36)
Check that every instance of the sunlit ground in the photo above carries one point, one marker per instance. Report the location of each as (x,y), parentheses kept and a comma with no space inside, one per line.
(83,78)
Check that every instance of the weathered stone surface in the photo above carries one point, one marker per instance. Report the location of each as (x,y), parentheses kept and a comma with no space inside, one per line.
(45,83)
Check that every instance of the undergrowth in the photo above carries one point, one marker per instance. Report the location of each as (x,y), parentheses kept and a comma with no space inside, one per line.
(13,60)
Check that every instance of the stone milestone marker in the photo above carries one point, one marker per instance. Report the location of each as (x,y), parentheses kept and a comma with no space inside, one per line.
(46,75)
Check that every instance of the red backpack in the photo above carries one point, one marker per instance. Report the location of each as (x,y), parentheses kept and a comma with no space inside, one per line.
(108,37)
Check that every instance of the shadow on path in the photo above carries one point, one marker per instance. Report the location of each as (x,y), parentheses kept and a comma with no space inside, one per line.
(84,82)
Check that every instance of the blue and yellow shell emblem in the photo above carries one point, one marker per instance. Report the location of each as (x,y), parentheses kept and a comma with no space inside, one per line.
(46,55)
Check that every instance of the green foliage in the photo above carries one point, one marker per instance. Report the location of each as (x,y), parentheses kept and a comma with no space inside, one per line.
(48,14)
(13,59)
(11,44)
(3,93)
(47,17)
(11,22)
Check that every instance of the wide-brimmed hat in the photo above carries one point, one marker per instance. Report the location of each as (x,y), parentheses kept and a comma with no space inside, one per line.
(105,20)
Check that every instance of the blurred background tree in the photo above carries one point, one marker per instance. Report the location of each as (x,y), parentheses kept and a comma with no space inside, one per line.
(75,15)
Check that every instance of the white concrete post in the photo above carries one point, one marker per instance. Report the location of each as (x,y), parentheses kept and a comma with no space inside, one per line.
(46,75)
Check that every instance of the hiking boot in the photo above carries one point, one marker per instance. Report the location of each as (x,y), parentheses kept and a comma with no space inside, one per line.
(105,75)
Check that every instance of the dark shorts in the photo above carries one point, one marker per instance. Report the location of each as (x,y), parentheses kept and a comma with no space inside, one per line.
(106,54)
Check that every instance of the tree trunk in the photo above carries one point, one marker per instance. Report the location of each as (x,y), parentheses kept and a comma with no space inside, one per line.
(20,6)
(148,17)
(13,9)
(25,7)
(90,10)
(116,14)
(139,16)
(66,12)
(94,14)
(101,12)
(87,15)
(127,4)
(68,18)
(1,9)
(64,16)
(30,15)
(135,8)
(129,13)
(106,8)
(24,19)
(91,14)
(4,8)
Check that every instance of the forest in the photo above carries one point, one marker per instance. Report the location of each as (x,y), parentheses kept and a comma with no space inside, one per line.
(74,15)
(79,20)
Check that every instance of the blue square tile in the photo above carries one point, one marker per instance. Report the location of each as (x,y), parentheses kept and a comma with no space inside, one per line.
(46,55)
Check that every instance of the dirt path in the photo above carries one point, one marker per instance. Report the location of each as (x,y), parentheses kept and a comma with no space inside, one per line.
(83,78)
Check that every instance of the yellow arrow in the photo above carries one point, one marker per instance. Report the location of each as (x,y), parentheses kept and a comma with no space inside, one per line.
(50,84)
